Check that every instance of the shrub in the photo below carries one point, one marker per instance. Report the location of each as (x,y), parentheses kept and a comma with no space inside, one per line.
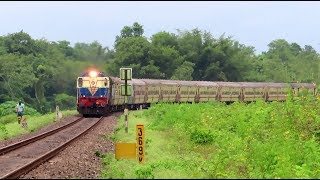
(201,136)
(9,107)
(144,172)
(65,101)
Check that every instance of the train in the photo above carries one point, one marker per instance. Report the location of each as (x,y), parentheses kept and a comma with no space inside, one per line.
(99,94)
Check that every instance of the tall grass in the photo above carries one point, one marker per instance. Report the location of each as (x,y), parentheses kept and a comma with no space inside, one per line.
(214,140)
(9,126)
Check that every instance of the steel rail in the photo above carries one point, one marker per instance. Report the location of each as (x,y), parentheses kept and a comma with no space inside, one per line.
(17,145)
(28,167)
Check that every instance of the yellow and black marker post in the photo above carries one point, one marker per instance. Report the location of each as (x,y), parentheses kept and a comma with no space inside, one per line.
(140,142)
(133,150)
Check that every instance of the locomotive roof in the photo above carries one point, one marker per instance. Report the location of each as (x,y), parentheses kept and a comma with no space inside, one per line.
(86,74)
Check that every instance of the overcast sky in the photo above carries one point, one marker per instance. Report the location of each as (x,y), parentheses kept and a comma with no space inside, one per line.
(251,23)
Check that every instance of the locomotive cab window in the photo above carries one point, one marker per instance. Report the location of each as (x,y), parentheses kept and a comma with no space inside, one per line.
(80,82)
(105,82)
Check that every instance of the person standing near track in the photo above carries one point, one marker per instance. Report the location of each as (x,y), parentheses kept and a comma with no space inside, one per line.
(19,110)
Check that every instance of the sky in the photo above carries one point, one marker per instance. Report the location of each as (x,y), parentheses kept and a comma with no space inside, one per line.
(253,23)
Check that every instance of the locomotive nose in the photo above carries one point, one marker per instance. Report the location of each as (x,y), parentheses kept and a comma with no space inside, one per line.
(92,104)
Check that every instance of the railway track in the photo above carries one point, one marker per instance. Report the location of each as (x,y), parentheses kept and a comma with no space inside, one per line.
(19,158)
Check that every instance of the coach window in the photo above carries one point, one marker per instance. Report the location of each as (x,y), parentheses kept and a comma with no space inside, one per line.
(226,93)
(249,93)
(235,93)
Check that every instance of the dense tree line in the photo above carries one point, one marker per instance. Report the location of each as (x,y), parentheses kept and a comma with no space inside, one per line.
(43,73)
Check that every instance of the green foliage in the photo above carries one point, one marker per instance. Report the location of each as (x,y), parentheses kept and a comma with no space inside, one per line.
(164,39)
(144,172)
(184,72)
(3,131)
(65,101)
(19,43)
(130,51)
(35,70)
(136,30)
(82,51)
(8,119)
(16,76)
(9,107)
(202,136)
(221,58)
(11,128)
(214,140)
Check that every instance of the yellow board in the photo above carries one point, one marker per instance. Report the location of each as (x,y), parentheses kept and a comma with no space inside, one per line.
(140,135)
(125,151)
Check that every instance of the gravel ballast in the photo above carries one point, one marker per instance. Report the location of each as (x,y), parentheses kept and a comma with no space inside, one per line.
(79,160)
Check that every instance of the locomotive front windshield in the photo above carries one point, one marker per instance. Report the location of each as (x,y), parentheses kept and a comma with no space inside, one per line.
(93,86)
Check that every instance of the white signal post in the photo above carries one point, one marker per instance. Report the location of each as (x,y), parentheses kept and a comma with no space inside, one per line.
(126,74)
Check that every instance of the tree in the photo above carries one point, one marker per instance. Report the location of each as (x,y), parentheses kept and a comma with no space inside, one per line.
(132,50)
(285,62)
(126,32)
(151,71)
(64,101)
(16,76)
(89,52)
(65,48)
(166,58)
(2,46)
(136,30)
(166,39)
(184,72)
(19,43)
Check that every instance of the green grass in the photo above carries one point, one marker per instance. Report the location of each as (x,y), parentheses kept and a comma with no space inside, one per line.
(12,128)
(213,140)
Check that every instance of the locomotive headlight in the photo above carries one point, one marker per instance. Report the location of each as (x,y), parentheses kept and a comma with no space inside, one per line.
(93,74)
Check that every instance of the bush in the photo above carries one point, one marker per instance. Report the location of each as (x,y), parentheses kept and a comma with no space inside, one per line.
(9,107)
(3,132)
(65,102)
(201,136)
(8,119)
(144,172)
